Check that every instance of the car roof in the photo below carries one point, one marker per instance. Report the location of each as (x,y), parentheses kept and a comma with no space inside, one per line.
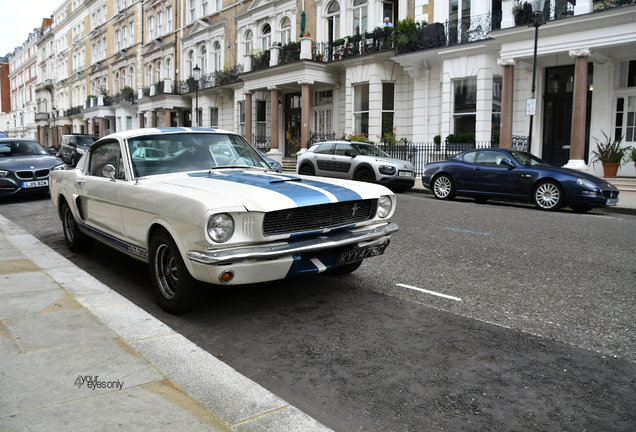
(154,131)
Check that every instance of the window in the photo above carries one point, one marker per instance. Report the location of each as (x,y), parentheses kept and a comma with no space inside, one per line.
(99,17)
(247,44)
(214,117)
(216,56)
(104,46)
(117,41)
(169,19)
(241,109)
(149,75)
(116,82)
(323,122)
(202,61)
(266,37)
(123,78)
(129,123)
(359,16)
(625,125)
(151,27)
(99,50)
(388,109)
(285,31)
(631,73)
(158,71)
(190,62)
(132,33)
(361,108)
(204,7)
(159,23)
(193,6)
(465,108)
(325,149)
(168,69)
(131,76)
(105,154)
(116,6)
(497,88)
(261,118)
(125,37)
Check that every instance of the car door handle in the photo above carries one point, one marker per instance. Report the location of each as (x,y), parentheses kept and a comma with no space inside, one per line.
(526,176)
(81,182)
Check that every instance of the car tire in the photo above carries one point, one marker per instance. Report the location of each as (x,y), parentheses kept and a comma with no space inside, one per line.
(307,170)
(73,163)
(345,269)
(548,196)
(364,175)
(443,187)
(174,287)
(76,240)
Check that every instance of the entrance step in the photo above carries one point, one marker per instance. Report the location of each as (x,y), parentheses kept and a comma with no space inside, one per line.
(624,184)
(289,164)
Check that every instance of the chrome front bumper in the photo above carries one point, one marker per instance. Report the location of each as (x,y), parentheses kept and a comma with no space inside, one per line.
(313,244)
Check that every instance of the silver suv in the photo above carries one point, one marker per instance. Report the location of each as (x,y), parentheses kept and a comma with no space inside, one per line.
(356,161)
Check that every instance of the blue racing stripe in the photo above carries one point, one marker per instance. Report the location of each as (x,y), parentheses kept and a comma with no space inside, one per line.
(113,241)
(172,129)
(302,196)
(340,192)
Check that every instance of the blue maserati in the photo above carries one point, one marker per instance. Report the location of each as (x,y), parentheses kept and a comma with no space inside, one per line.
(502,173)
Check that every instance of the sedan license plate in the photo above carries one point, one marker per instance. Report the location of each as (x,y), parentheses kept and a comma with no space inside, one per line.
(405,174)
(38,183)
(362,253)
(611,202)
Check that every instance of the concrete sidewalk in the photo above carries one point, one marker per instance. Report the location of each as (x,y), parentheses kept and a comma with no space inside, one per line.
(75,355)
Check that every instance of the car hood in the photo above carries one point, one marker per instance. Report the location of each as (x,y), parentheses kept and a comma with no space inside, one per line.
(257,190)
(16,163)
(579,174)
(397,162)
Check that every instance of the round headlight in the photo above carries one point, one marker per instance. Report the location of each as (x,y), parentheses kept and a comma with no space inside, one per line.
(221,227)
(384,206)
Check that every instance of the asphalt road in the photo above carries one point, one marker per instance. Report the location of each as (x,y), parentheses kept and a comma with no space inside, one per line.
(536,330)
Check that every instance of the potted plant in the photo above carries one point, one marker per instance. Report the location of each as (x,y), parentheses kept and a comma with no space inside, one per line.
(632,156)
(610,154)
(522,11)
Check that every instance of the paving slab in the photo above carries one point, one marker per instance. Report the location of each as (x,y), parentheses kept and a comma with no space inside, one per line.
(77,281)
(21,282)
(157,406)
(47,377)
(16,304)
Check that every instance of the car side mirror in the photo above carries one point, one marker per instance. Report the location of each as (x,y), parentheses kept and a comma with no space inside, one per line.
(350,153)
(109,171)
(507,163)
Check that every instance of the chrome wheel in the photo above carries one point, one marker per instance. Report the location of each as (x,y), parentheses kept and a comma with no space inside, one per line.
(548,196)
(68,224)
(166,272)
(76,240)
(443,187)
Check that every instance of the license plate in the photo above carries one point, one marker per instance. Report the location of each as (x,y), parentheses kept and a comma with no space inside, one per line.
(611,202)
(405,174)
(362,253)
(38,183)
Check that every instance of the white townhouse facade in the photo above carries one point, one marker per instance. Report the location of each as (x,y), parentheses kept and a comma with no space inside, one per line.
(287,73)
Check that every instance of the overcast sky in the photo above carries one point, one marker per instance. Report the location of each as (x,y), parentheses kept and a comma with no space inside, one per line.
(18,18)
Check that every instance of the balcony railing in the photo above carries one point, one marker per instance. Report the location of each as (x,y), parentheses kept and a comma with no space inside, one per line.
(211,80)
(261,61)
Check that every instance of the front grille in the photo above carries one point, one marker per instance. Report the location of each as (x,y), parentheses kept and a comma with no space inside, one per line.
(24,175)
(312,218)
(610,194)
(42,173)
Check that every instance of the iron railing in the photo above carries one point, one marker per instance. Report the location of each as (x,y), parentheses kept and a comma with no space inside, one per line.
(260,61)
(289,53)
(262,142)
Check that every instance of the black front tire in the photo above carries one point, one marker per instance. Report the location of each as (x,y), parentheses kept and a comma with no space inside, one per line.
(76,240)
(306,170)
(443,187)
(345,269)
(364,175)
(174,287)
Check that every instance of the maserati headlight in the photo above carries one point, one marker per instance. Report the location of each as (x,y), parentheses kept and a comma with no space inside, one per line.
(59,167)
(4,173)
(221,227)
(384,206)
(80,151)
(586,184)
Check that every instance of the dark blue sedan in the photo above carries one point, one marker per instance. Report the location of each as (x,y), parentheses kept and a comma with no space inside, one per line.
(511,174)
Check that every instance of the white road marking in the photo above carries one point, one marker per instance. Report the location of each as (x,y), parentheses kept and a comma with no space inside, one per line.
(429,292)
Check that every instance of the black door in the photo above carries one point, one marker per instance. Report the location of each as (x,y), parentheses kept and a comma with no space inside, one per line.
(293,123)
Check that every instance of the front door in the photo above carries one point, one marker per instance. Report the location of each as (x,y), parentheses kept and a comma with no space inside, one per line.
(293,123)
(557,121)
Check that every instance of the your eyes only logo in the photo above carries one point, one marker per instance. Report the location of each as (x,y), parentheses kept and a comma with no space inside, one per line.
(93,383)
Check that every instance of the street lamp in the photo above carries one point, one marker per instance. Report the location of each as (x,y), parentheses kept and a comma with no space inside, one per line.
(537,8)
(54,131)
(196,73)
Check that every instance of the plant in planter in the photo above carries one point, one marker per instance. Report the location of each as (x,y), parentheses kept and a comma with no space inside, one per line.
(632,156)
(522,11)
(610,154)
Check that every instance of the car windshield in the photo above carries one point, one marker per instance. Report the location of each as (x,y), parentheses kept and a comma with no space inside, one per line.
(172,153)
(21,148)
(527,159)
(85,141)
(369,150)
